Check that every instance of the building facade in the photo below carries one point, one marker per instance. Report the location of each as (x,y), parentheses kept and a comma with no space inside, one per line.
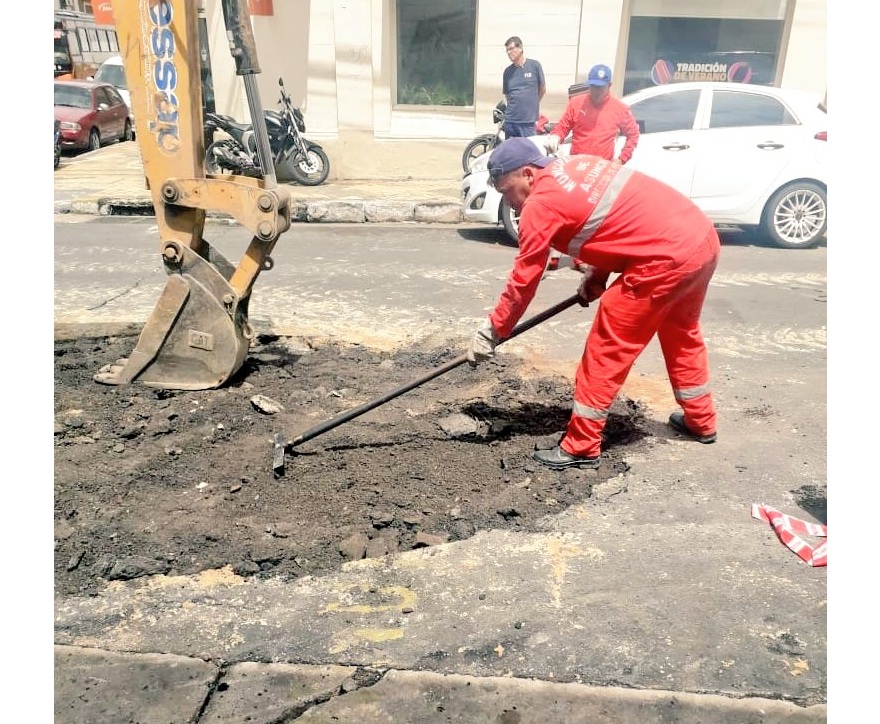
(396,88)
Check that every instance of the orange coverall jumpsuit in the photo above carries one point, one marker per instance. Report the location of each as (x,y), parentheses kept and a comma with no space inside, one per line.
(665,251)
(595,129)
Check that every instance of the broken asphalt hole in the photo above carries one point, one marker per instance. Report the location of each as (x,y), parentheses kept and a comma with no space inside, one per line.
(176,482)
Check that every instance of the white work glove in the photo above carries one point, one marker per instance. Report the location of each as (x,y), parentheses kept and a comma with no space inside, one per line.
(551,144)
(592,284)
(483,344)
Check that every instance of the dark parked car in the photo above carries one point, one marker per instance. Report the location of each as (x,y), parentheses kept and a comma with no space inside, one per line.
(91,114)
(57,142)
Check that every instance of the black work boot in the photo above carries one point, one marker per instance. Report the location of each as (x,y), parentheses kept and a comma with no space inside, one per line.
(558,459)
(676,422)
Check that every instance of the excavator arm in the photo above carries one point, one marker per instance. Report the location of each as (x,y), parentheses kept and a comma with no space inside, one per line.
(198,334)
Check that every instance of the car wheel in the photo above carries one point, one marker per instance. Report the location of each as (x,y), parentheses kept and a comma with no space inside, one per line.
(796,216)
(127,135)
(94,140)
(510,219)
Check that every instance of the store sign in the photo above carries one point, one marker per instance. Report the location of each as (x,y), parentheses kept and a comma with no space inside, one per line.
(103,11)
(723,68)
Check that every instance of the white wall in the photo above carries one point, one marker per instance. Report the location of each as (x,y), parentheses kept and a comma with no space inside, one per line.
(806,61)
(336,57)
(283,48)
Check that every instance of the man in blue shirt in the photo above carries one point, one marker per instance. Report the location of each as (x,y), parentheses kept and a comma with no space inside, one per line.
(523,88)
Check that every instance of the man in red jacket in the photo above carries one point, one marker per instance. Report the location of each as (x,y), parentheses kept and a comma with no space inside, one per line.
(610,220)
(595,121)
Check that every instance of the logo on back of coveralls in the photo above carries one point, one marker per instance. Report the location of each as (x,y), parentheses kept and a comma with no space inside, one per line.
(165,111)
(593,183)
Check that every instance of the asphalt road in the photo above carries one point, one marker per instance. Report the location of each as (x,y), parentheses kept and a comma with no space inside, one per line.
(413,282)
(390,285)
(664,566)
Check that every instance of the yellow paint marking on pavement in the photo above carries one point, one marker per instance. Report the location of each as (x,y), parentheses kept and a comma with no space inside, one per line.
(379,600)
(378,635)
(404,598)
(382,599)
(797,667)
(372,635)
(560,551)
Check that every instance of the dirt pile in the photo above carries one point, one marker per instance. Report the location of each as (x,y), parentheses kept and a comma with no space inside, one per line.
(157,481)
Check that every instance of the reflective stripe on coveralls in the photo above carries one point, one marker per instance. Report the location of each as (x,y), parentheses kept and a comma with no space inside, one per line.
(599,212)
(691,393)
(589,413)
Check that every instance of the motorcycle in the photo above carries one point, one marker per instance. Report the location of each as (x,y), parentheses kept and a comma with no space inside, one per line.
(293,155)
(487,141)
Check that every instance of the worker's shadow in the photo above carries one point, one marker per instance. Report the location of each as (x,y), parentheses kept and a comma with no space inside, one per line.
(730,236)
(487,235)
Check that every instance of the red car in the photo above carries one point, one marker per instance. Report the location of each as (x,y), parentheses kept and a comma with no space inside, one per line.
(91,114)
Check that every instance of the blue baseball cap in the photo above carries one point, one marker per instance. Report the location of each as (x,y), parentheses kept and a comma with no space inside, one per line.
(515,153)
(599,75)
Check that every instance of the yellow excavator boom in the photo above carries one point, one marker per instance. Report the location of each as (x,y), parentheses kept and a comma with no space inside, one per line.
(198,334)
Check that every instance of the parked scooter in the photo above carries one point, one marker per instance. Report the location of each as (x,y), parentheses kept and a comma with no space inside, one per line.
(485,141)
(293,155)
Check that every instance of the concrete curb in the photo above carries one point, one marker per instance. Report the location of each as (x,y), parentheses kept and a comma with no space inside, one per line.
(339,211)
(173,688)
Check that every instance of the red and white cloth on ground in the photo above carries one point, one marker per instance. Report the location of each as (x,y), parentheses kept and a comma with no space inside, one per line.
(787,529)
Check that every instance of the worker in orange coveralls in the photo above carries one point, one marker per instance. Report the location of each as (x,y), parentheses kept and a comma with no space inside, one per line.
(595,122)
(609,219)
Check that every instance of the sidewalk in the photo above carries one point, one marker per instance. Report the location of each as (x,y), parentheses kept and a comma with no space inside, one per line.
(110,181)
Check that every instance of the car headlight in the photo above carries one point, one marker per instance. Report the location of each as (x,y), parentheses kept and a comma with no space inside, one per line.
(70,126)
(481,164)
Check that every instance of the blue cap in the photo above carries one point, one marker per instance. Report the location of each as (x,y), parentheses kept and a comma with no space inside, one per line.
(515,153)
(599,75)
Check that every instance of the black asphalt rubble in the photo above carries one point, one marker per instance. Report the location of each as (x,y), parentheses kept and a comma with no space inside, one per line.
(368,644)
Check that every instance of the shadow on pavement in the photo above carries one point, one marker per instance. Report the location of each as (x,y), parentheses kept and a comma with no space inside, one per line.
(486,234)
(730,236)
(735,236)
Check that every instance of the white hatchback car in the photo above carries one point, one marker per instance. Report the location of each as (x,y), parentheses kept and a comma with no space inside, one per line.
(748,156)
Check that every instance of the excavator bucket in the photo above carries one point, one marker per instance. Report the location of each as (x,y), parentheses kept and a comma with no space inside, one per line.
(198,334)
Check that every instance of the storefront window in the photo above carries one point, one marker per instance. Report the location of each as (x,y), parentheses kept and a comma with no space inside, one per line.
(435,52)
(676,49)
